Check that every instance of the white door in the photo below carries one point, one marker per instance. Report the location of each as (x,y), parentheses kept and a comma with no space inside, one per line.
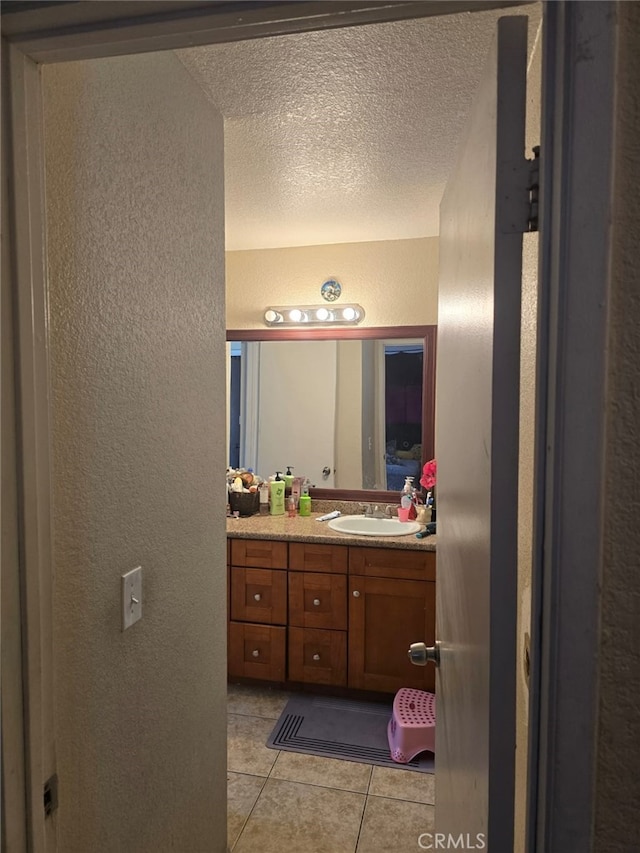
(483,209)
(297,409)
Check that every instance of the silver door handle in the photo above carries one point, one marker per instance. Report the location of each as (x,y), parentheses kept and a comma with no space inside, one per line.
(420,654)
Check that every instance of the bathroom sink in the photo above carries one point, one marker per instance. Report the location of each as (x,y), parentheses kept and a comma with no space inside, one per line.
(360,525)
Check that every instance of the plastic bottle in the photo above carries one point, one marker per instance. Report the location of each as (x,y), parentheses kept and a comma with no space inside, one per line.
(413,507)
(408,486)
(264,498)
(305,505)
(276,492)
(288,477)
(291,506)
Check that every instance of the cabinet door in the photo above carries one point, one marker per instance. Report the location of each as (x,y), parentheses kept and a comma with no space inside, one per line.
(258,595)
(385,616)
(317,601)
(317,656)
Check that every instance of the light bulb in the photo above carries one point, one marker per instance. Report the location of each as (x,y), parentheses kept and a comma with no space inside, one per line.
(295,315)
(272,316)
(322,314)
(349,314)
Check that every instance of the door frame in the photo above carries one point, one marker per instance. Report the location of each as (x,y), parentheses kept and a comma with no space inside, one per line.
(576,213)
(576,167)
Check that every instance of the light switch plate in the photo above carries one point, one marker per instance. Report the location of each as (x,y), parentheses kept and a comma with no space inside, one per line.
(131,597)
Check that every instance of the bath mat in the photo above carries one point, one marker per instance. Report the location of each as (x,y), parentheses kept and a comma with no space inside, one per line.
(340,728)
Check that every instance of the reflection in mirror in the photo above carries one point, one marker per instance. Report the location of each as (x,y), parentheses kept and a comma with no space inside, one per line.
(348,414)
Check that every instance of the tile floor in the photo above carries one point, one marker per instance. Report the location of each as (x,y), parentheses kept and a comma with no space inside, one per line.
(293,803)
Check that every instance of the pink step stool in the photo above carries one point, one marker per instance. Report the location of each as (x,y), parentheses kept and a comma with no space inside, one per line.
(412,727)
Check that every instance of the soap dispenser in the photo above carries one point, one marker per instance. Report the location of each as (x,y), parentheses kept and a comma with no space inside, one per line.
(288,477)
(276,491)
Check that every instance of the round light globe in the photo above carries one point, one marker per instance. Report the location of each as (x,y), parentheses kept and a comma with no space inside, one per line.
(349,314)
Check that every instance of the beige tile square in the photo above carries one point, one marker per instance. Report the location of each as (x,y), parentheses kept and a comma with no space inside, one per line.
(242,793)
(403,785)
(327,772)
(393,826)
(256,701)
(294,818)
(246,750)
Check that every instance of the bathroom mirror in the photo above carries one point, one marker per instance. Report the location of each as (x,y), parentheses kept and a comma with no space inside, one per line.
(352,409)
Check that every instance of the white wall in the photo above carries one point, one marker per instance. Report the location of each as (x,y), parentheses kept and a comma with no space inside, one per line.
(396,281)
(296,419)
(349,416)
(134,169)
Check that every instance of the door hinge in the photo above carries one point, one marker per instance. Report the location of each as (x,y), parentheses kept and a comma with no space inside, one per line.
(518,203)
(533,188)
(50,795)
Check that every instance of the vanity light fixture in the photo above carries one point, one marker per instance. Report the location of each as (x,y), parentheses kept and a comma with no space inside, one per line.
(314,315)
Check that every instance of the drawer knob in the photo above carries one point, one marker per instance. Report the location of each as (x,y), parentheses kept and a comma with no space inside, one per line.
(356,593)
(257,596)
(316,656)
(255,653)
(316,602)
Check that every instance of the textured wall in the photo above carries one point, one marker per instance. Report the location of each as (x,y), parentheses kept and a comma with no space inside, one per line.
(617,821)
(527,444)
(134,173)
(396,281)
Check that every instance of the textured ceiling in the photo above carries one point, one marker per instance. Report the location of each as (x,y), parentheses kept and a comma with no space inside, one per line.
(345,135)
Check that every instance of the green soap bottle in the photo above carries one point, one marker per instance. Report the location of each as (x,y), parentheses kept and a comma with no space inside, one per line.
(276,492)
(288,477)
(305,505)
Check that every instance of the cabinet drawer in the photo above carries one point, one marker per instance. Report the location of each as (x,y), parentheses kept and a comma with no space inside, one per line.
(393,563)
(258,553)
(317,656)
(309,557)
(257,651)
(317,601)
(259,595)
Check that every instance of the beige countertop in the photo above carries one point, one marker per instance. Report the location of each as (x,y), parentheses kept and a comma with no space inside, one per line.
(307,529)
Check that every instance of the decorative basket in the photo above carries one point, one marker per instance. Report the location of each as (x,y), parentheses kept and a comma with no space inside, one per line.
(246,503)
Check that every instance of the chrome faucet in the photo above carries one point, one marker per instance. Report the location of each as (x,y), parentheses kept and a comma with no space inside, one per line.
(374,511)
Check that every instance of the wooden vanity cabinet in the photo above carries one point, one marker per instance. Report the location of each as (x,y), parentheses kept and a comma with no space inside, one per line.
(330,614)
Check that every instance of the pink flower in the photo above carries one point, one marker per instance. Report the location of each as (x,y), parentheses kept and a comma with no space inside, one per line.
(428,479)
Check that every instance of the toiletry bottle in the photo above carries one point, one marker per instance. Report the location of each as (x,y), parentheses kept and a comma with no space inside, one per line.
(264,498)
(288,477)
(413,509)
(305,505)
(296,488)
(291,506)
(276,491)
